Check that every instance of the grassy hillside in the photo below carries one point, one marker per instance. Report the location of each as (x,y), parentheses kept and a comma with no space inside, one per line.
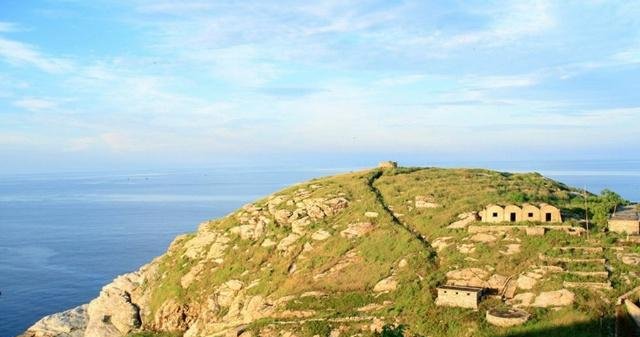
(351,253)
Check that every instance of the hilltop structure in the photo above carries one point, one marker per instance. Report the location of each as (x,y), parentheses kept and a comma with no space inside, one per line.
(528,212)
(625,219)
(388,164)
(459,296)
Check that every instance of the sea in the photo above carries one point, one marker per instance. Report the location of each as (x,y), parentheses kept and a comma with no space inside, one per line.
(65,235)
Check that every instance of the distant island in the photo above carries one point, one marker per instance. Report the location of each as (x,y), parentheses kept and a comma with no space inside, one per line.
(390,251)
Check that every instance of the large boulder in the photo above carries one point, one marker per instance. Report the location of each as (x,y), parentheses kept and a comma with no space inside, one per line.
(558,298)
(464,220)
(358,229)
(386,285)
(70,323)
(112,314)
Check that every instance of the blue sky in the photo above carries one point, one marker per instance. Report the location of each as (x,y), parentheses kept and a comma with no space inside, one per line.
(118,84)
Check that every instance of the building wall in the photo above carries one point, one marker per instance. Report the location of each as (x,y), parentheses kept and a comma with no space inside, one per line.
(529,209)
(490,211)
(625,226)
(512,209)
(634,311)
(528,212)
(554,211)
(458,298)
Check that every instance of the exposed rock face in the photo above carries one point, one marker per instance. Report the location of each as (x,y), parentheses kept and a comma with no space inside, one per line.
(286,243)
(556,298)
(386,285)
(114,313)
(523,299)
(483,237)
(474,277)
(511,249)
(321,235)
(464,220)
(441,243)
(422,201)
(357,229)
(70,323)
(526,282)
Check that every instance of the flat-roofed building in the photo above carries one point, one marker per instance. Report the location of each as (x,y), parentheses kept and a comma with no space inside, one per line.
(625,219)
(459,296)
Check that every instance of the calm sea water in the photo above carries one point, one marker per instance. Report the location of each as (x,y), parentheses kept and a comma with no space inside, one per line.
(63,236)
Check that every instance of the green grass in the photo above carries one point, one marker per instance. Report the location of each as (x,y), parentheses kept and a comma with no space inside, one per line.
(155,334)
(378,253)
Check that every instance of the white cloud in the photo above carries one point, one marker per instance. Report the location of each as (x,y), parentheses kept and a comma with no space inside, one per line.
(497,82)
(8,138)
(20,53)
(400,80)
(35,104)
(6,27)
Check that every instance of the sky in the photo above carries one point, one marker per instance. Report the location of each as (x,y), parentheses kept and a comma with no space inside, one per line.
(87,85)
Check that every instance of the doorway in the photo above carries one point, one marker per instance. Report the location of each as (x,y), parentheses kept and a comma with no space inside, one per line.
(547,217)
(513,217)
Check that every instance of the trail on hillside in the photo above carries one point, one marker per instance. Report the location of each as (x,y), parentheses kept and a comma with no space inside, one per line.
(380,198)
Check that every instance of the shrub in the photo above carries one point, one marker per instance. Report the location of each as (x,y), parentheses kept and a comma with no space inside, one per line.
(316,328)
(391,331)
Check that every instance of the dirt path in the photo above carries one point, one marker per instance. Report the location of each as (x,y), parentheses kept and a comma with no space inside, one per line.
(380,198)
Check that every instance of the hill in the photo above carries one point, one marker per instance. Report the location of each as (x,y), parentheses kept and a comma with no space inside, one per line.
(350,254)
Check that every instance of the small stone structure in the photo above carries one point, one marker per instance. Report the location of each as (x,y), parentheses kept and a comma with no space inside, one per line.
(388,164)
(625,219)
(507,318)
(459,296)
(535,231)
(509,228)
(528,212)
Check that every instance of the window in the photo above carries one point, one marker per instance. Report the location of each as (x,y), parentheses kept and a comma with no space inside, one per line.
(530,214)
(456,293)
(495,214)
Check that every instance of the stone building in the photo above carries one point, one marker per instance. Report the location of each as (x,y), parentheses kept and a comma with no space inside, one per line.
(625,219)
(388,164)
(549,213)
(493,213)
(512,213)
(459,296)
(528,212)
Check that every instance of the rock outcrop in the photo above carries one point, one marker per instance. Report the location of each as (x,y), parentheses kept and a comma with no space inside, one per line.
(70,323)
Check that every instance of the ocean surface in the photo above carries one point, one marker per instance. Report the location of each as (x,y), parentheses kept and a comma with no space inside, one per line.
(64,236)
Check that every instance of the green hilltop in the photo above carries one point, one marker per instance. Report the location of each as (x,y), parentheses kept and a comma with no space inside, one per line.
(350,254)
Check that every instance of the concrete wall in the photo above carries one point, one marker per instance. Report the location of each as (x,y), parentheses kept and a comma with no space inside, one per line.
(634,311)
(552,210)
(493,214)
(530,213)
(625,226)
(510,210)
(458,298)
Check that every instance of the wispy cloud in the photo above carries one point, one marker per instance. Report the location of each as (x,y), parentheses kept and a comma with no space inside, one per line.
(196,79)
(6,27)
(35,104)
(19,53)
